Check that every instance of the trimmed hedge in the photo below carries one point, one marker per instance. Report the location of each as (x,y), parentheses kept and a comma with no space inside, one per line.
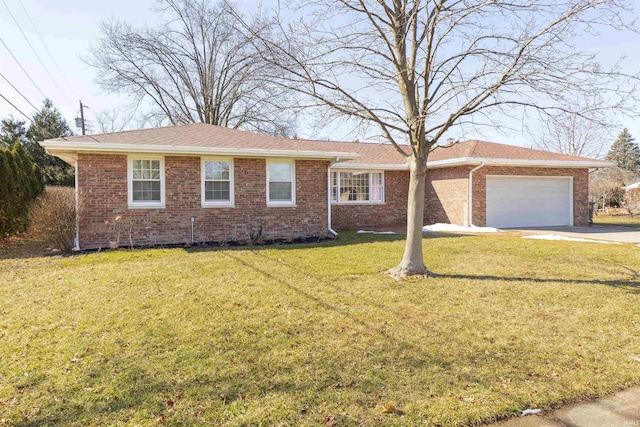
(21,181)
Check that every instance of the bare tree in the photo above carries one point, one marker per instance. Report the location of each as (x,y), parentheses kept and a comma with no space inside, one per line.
(414,69)
(574,133)
(606,188)
(114,120)
(195,67)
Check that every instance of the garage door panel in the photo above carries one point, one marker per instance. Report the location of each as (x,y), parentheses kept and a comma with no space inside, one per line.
(528,201)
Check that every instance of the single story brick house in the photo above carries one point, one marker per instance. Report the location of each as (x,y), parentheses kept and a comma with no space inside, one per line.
(204,183)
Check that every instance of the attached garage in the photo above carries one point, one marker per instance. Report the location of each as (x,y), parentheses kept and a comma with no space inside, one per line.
(529,201)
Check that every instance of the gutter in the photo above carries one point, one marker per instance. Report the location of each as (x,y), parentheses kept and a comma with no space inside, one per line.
(77,194)
(331,163)
(473,161)
(470,218)
(60,148)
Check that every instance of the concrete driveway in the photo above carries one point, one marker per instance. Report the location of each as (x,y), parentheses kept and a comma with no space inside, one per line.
(594,232)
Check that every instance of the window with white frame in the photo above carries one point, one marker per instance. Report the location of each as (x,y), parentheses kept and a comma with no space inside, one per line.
(357,187)
(146,182)
(281,189)
(217,182)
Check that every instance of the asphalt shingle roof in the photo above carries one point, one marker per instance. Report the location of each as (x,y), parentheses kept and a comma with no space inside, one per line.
(205,135)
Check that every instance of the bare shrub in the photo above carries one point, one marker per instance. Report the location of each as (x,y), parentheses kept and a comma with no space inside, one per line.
(54,216)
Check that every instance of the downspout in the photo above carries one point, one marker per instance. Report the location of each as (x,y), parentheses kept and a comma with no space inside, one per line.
(331,163)
(471,192)
(77,194)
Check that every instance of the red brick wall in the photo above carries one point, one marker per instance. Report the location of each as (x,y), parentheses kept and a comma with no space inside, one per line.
(445,201)
(580,189)
(102,182)
(446,195)
(393,212)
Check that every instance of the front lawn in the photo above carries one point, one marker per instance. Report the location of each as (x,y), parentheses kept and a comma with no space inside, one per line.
(624,220)
(315,334)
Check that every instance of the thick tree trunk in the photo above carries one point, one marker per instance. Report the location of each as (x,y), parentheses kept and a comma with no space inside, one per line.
(412,262)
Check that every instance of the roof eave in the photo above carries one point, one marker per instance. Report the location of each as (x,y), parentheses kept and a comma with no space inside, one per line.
(576,164)
(65,149)
(372,166)
(474,161)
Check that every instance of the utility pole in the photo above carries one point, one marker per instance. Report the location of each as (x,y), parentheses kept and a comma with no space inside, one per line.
(82,118)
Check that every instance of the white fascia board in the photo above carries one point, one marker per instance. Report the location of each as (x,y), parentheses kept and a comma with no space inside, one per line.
(62,148)
(475,161)
(580,164)
(372,166)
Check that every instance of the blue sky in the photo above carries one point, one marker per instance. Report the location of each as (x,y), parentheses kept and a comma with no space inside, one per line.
(70,27)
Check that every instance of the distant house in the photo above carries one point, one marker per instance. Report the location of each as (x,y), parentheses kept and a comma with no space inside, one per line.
(632,198)
(201,182)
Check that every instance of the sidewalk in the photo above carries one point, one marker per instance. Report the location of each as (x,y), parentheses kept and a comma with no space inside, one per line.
(619,410)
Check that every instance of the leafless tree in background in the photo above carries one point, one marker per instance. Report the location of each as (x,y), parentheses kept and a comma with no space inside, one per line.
(574,133)
(413,69)
(114,120)
(196,67)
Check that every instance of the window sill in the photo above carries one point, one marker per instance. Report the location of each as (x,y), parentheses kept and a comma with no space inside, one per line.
(146,206)
(354,203)
(218,205)
(281,205)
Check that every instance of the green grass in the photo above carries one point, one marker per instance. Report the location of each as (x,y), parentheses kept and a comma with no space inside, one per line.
(624,220)
(315,334)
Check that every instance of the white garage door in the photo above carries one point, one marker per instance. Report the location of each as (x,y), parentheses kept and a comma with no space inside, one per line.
(518,201)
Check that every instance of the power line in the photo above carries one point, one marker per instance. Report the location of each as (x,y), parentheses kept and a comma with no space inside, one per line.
(21,94)
(48,51)
(22,68)
(16,108)
(36,53)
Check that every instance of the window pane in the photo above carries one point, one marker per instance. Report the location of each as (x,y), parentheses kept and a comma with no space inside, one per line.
(279,172)
(354,186)
(377,187)
(280,191)
(334,186)
(217,191)
(217,170)
(146,191)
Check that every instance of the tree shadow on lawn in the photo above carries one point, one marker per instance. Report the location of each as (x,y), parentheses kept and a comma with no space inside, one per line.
(631,286)
(424,357)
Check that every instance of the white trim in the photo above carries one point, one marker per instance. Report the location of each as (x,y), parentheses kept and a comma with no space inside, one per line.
(221,203)
(570,178)
(56,147)
(329,198)
(372,166)
(77,194)
(281,203)
(520,162)
(143,204)
(359,202)
(476,161)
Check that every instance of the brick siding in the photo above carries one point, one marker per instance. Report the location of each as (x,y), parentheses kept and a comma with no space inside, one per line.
(102,185)
(103,188)
(446,196)
(391,213)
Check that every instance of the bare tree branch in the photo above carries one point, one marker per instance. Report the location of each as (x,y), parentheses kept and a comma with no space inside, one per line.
(195,67)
